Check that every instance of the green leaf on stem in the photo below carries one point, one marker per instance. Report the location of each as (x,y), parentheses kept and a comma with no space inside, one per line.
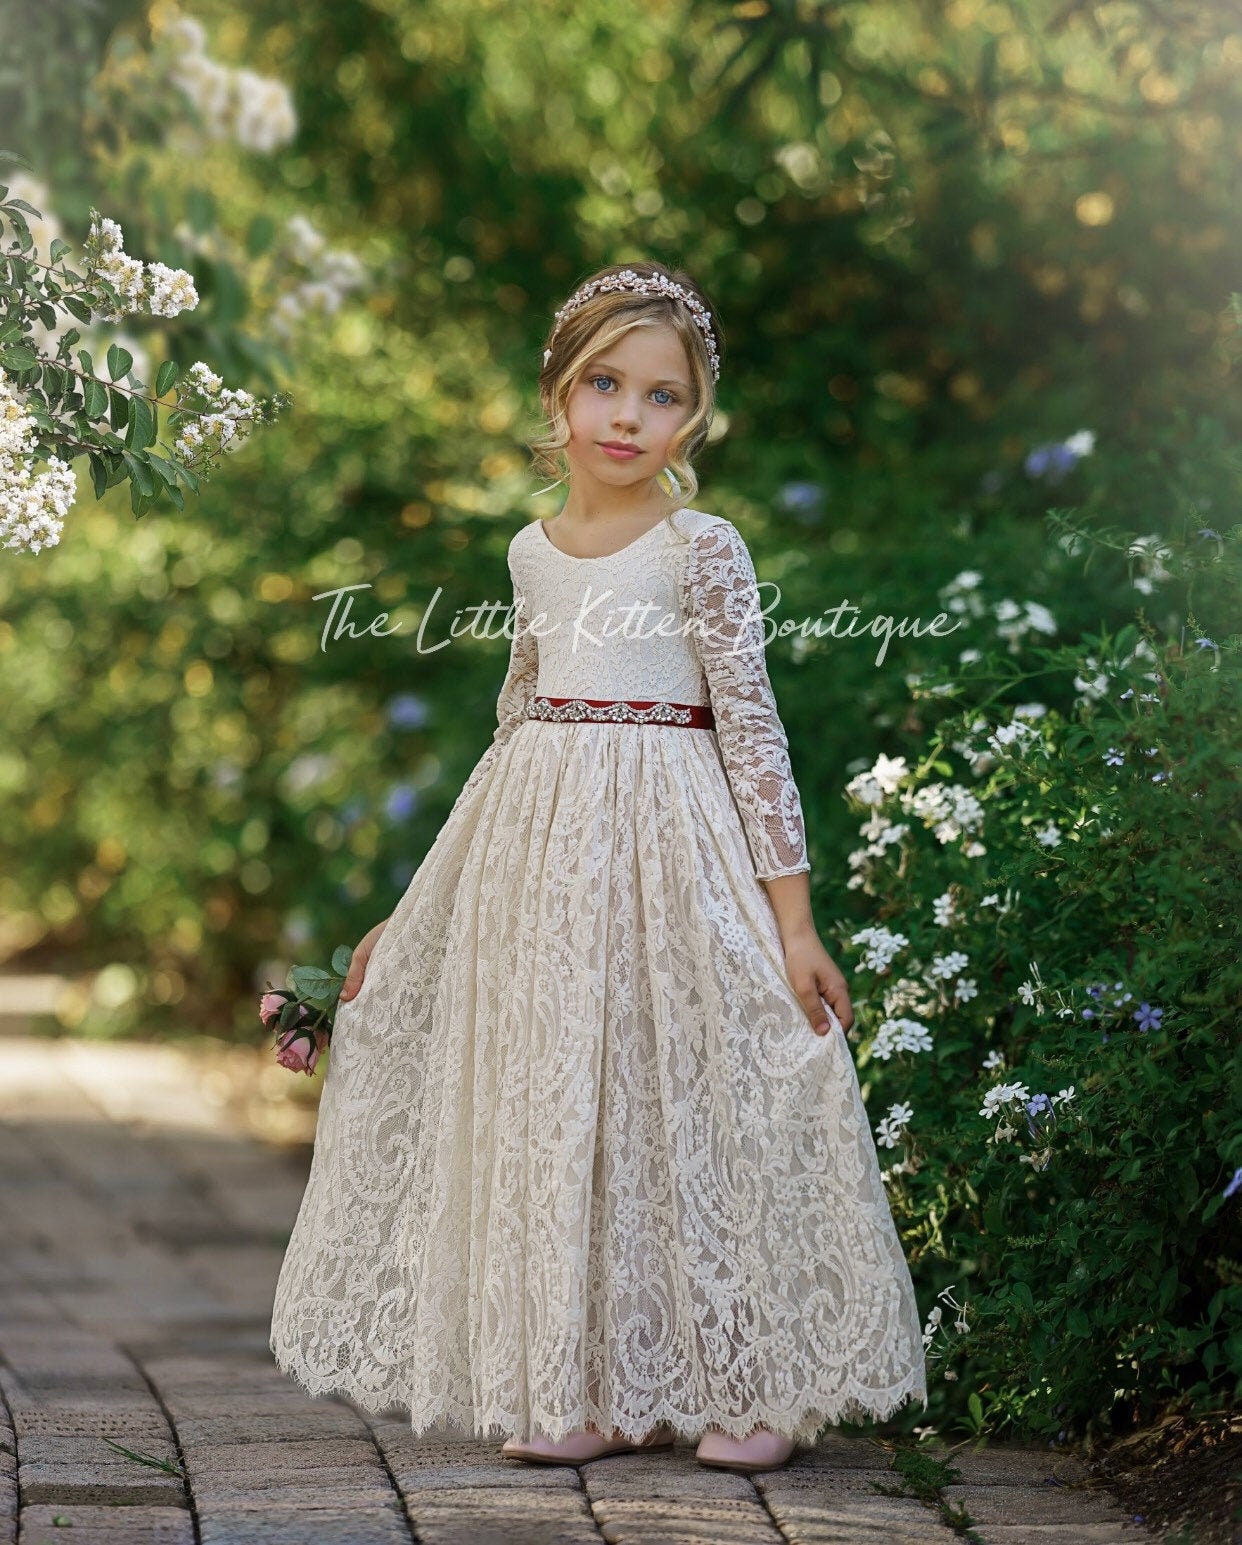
(141,431)
(120,409)
(119,361)
(95,397)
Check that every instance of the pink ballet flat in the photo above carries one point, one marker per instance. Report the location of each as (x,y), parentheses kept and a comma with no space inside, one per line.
(580,1447)
(762,1450)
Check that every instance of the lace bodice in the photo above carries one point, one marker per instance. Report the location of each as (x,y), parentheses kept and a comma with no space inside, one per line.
(674,616)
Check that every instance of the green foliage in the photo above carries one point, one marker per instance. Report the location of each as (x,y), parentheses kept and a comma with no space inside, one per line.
(1092,866)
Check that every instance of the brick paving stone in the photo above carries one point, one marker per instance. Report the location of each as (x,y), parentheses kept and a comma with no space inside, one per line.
(1062,1534)
(92,1525)
(1008,1464)
(308,1526)
(322,1427)
(1035,1504)
(850,1518)
(666,1520)
(504,1516)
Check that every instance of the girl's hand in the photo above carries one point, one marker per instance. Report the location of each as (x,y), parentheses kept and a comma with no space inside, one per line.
(813,975)
(358,964)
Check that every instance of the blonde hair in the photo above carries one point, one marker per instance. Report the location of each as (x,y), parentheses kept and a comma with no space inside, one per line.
(592,328)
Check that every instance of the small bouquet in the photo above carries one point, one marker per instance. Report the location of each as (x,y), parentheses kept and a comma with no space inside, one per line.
(301,1015)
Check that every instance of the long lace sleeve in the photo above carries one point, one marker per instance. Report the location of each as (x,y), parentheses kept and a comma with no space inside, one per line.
(517,690)
(722,597)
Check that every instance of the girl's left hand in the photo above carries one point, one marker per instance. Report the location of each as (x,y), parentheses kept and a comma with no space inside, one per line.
(815,976)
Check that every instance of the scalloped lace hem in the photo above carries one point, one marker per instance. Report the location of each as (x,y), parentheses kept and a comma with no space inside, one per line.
(804,1424)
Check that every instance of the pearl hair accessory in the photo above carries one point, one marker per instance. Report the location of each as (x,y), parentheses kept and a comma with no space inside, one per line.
(642,284)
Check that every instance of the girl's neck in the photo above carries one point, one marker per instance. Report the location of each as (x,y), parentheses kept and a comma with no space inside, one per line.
(607,506)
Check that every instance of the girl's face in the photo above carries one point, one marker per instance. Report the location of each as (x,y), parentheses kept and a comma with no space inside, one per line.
(635,393)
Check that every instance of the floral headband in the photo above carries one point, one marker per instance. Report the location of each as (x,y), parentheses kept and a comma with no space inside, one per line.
(642,284)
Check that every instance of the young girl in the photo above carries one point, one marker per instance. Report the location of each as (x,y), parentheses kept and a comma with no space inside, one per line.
(592,1166)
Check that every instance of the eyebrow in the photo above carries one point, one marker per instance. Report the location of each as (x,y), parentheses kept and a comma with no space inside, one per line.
(602,364)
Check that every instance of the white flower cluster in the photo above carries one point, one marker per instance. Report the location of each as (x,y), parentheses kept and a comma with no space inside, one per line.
(881,946)
(1151,551)
(1093,685)
(33,505)
(332,273)
(908,994)
(163,291)
(878,782)
(935,1317)
(1014,620)
(951,811)
(901,1034)
(945,966)
(889,1132)
(219,430)
(254,110)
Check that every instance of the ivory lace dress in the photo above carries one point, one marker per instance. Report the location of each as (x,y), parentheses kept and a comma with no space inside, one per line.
(580,1158)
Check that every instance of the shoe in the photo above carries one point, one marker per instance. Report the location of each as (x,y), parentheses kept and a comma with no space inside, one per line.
(580,1447)
(762,1450)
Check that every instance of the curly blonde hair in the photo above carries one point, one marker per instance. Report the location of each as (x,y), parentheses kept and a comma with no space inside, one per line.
(589,330)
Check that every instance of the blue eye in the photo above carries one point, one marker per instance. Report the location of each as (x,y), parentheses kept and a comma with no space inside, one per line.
(670,395)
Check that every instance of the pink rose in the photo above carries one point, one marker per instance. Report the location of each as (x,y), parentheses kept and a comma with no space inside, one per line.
(296,1052)
(270,1005)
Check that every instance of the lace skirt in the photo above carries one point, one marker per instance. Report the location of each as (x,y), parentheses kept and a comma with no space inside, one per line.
(580,1159)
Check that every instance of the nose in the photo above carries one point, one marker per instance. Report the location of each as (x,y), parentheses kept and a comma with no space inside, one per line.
(625,411)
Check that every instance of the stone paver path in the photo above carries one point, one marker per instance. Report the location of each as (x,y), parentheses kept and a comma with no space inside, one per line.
(140,1237)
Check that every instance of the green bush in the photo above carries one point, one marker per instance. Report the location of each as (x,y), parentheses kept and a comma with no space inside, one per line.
(1047,992)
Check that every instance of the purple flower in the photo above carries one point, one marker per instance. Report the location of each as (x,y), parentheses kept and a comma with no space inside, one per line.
(1129,692)
(1036,463)
(1037,1103)
(1088,1013)
(1097,990)
(406,711)
(1148,1017)
(1235,1184)
(401,802)
(1207,531)
(1205,643)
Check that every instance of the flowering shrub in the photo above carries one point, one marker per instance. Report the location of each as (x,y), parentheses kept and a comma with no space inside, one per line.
(54,410)
(1047,1001)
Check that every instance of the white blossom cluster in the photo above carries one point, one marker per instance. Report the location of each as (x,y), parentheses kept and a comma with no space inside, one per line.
(1151,551)
(1014,620)
(881,946)
(1094,684)
(218,430)
(254,110)
(950,810)
(889,1132)
(332,273)
(33,505)
(163,291)
(879,781)
(901,1034)
(935,1321)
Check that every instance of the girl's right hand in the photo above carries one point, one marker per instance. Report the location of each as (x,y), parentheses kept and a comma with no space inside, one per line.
(358,964)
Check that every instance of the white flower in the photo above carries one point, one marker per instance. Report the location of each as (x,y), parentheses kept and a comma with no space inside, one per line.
(881,944)
(1049,835)
(1002,1094)
(901,1034)
(942,909)
(33,504)
(994,1059)
(966,989)
(945,966)
(1063,1094)
(888,1133)
(1026,992)
(1081,443)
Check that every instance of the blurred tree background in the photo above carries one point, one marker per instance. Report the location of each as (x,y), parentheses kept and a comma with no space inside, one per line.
(947,242)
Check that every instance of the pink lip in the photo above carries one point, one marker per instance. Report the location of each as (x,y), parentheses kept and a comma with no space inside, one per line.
(616,448)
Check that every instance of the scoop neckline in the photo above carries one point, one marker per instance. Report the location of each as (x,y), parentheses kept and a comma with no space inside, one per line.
(601,557)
